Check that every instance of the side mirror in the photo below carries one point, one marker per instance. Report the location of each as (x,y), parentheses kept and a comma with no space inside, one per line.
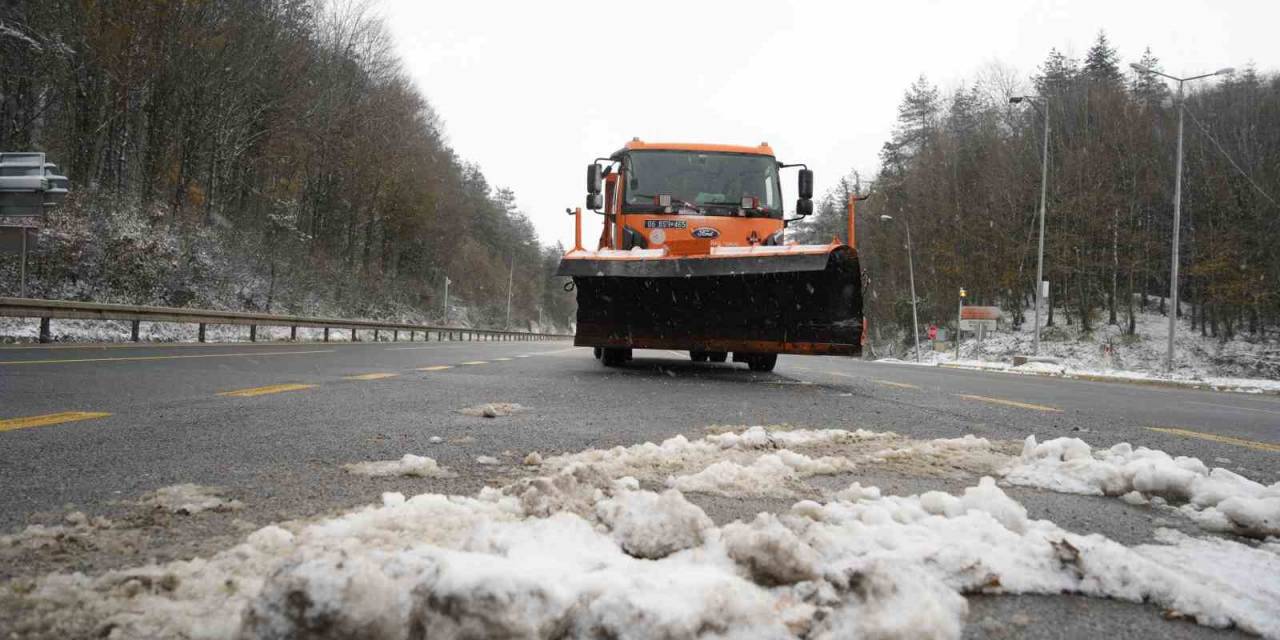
(804,207)
(594,177)
(806,184)
(595,202)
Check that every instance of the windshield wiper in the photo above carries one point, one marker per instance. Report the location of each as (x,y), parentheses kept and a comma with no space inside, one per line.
(674,200)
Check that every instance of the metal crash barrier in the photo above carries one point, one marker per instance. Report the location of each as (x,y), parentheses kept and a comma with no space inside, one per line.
(49,310)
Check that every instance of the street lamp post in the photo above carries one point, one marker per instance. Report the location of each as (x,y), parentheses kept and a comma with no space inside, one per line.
(911,274)
(1177,205)
(1044,187)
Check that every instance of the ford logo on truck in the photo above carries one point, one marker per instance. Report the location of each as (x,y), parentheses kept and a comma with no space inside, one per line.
(705,232)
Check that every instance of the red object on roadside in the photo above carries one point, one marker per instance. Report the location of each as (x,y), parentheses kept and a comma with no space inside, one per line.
(933,332)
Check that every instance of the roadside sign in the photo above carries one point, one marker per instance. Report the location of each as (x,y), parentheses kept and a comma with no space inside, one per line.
(968,324)
(980,313)
(1044,288)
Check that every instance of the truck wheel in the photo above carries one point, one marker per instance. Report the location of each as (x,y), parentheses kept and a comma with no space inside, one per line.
(615,357)
(698,356)
(762,361)
(718,356)
(596,351)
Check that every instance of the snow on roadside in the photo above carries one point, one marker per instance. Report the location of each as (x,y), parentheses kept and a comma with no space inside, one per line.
(1243,364)
(584,551)
(408,465)
(492,410)
(1216,499)
(188,498)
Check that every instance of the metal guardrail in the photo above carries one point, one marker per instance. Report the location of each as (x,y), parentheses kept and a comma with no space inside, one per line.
(48,310)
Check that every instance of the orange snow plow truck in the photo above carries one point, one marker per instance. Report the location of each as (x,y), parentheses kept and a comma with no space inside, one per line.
(694,257)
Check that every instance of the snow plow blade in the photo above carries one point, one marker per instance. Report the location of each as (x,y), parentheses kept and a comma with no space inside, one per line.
(799,300)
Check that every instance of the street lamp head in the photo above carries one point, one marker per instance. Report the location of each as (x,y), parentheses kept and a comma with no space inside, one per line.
(885,216)
(1224,71)
(1016,99)
(1137,67)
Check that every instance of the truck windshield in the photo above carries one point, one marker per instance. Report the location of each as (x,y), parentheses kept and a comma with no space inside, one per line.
(711,183)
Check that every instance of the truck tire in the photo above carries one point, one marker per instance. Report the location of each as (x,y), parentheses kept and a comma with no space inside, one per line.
(596,351)
(698,356)
(718,356)
(615,357)
(762,361)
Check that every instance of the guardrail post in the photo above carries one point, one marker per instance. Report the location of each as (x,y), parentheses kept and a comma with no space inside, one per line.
(375,335)
(253,333)
(326,334)
(293,334)
(44,330)
(395,336)
(133,330)
(200,337)
(353,335)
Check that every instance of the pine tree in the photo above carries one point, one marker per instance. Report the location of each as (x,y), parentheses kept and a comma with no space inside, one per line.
(1148,88)
(1102,63)
(917,117)
(1056,74)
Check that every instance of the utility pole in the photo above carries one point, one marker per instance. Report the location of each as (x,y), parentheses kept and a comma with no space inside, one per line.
(446,300)
(1177,206)
(22,287)
(911,274)
(1044,187)
(510,278)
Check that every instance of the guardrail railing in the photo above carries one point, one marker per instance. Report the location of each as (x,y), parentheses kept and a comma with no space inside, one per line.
(49,310)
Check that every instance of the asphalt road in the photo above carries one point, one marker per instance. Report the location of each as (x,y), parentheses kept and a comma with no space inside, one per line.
(274,423)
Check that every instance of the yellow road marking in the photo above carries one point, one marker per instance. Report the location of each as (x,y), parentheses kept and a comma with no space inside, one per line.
(901,385)
(439,367)
(262,391)
(1239,442)
(48,419)
(1011,403)
(471,362)
(501,359)
(372,376)
(249,354)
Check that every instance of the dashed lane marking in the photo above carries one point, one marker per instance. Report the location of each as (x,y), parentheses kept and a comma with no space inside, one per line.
(262,391)
(1011,403)
(501,359)
(12,424)
(439,367)
(248,354)
(900,385)
(474,362)
(1213,437)
(523,355)
(372,376)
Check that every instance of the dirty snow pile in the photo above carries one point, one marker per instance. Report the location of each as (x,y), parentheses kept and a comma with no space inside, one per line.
(408,465)
(586,552)
(773,462)
(1216,499)
(187,499)
(492,410)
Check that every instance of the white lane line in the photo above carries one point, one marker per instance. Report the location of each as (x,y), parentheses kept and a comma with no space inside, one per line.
(1229,406)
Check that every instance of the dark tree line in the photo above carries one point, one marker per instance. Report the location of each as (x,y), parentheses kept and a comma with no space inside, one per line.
(281,132)
(964,171)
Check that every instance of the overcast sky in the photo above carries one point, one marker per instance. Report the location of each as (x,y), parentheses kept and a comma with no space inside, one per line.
(533,91)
